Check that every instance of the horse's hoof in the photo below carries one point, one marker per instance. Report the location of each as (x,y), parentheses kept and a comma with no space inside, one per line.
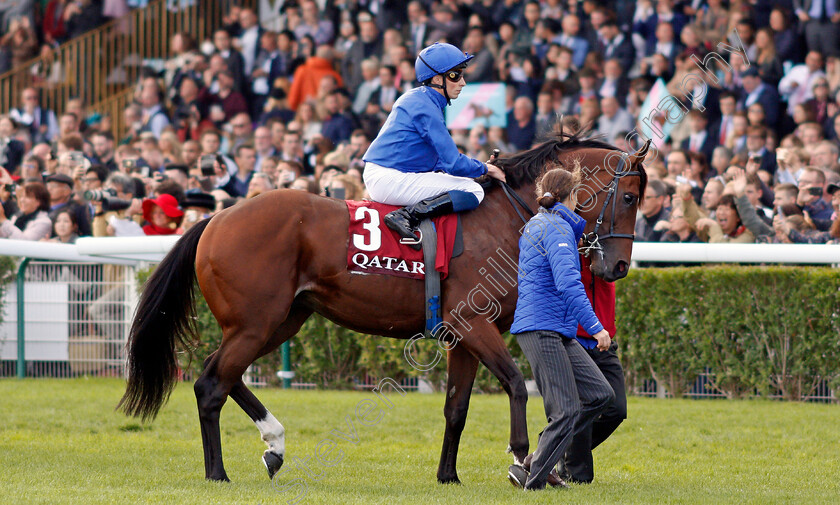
(449,480)
(272,462)
(222,477)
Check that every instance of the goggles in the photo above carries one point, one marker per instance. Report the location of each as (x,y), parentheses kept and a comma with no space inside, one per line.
(454,75)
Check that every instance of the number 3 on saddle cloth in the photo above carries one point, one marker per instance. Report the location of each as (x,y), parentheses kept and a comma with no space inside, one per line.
(375,249)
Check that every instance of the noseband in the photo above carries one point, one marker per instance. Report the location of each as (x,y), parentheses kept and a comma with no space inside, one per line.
(591,240)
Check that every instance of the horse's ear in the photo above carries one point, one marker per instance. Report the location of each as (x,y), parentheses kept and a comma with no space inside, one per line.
(639,155)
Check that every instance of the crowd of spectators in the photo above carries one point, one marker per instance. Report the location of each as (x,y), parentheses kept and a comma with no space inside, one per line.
(30,28)
(295,102)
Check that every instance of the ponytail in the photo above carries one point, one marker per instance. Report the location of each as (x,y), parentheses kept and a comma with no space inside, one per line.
(556,185)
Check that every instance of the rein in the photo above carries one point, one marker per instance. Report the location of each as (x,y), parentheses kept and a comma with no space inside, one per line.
(514,198)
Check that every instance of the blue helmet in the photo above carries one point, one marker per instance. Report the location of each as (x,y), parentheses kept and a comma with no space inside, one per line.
(437,59)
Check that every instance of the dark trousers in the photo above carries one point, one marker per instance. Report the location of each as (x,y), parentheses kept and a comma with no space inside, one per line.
(574,392)
(579,454)
(823,36)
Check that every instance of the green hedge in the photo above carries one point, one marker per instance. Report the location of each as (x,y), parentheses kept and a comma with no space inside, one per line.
(759,329)
(8,273)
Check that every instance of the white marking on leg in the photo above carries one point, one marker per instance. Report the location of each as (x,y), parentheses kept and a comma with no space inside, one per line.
(273,434)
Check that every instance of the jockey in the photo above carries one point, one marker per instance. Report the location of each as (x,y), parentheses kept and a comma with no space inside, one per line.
(414,161)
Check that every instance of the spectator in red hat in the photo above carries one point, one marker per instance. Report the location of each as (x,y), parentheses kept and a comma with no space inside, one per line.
(162,215)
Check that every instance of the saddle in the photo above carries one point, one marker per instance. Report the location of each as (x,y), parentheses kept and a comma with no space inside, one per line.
(373,248)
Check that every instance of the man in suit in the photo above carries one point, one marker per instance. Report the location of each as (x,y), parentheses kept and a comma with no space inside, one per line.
(482,68)
(614,84)
(387,93)
(570,37)
(369,44)
(615,45)
(614,119)
(821,19)
(701,140)
(797,85)
(417,28)
(522,126)
(41,122)
(757,91)
(757,148)
(11,150)
(724,124)
(370,74)
(249,39)
(233,58)
(665,44)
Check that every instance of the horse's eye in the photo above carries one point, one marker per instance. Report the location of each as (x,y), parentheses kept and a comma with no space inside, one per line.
(630,199)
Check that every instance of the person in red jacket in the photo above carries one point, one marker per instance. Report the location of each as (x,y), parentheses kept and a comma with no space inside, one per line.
(578,461)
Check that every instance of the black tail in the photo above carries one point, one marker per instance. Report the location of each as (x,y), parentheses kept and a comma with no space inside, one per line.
(166,312)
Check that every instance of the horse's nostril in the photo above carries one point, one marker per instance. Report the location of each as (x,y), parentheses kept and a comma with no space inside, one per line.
(621,267)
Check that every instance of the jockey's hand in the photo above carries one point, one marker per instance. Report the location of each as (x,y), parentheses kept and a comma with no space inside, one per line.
(603,339)
(495,172)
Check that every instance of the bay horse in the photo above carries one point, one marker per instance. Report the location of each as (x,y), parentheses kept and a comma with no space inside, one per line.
(265,265)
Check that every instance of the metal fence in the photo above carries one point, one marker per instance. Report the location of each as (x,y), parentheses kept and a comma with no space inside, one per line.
(703,387)
(76,318)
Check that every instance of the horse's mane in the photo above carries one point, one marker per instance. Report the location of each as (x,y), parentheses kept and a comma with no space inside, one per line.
(527,166)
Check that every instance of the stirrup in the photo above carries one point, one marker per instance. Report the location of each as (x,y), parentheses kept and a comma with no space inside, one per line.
(416,241)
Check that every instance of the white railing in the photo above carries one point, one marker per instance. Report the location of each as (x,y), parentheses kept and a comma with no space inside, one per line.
(133,250)
(812,254)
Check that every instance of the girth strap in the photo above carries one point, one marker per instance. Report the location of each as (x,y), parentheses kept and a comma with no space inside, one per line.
(432,278)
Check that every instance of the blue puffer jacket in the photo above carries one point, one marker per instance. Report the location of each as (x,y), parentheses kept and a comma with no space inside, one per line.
(551,294)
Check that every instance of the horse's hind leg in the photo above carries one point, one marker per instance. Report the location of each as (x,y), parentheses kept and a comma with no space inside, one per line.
(211,394)
(461,368)
(271,431)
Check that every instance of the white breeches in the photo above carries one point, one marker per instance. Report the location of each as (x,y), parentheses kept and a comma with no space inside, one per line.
(392,187)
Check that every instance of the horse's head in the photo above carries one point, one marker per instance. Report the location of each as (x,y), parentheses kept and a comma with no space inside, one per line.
(612,182)
(608,197)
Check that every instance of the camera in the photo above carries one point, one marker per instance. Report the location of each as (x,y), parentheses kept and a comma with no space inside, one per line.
(205,163)
(339,193)
(98,195)
(109,199)
(77,158)
(815,191)
(681,179)
(10,188)
(129,164)
(115,204)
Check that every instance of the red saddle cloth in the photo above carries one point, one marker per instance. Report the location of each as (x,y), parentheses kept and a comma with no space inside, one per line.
(375,249)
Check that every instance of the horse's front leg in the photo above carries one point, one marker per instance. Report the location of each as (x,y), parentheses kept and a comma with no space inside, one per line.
(461,368)
(486,343)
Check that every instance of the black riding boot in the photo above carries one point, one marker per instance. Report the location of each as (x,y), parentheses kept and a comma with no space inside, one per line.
(405,220)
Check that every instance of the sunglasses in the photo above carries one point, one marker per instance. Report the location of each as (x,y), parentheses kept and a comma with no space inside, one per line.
(454,75)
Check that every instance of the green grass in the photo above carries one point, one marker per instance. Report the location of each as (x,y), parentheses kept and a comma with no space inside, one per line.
(62,442)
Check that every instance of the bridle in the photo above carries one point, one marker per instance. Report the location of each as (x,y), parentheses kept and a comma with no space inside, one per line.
(591,240)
